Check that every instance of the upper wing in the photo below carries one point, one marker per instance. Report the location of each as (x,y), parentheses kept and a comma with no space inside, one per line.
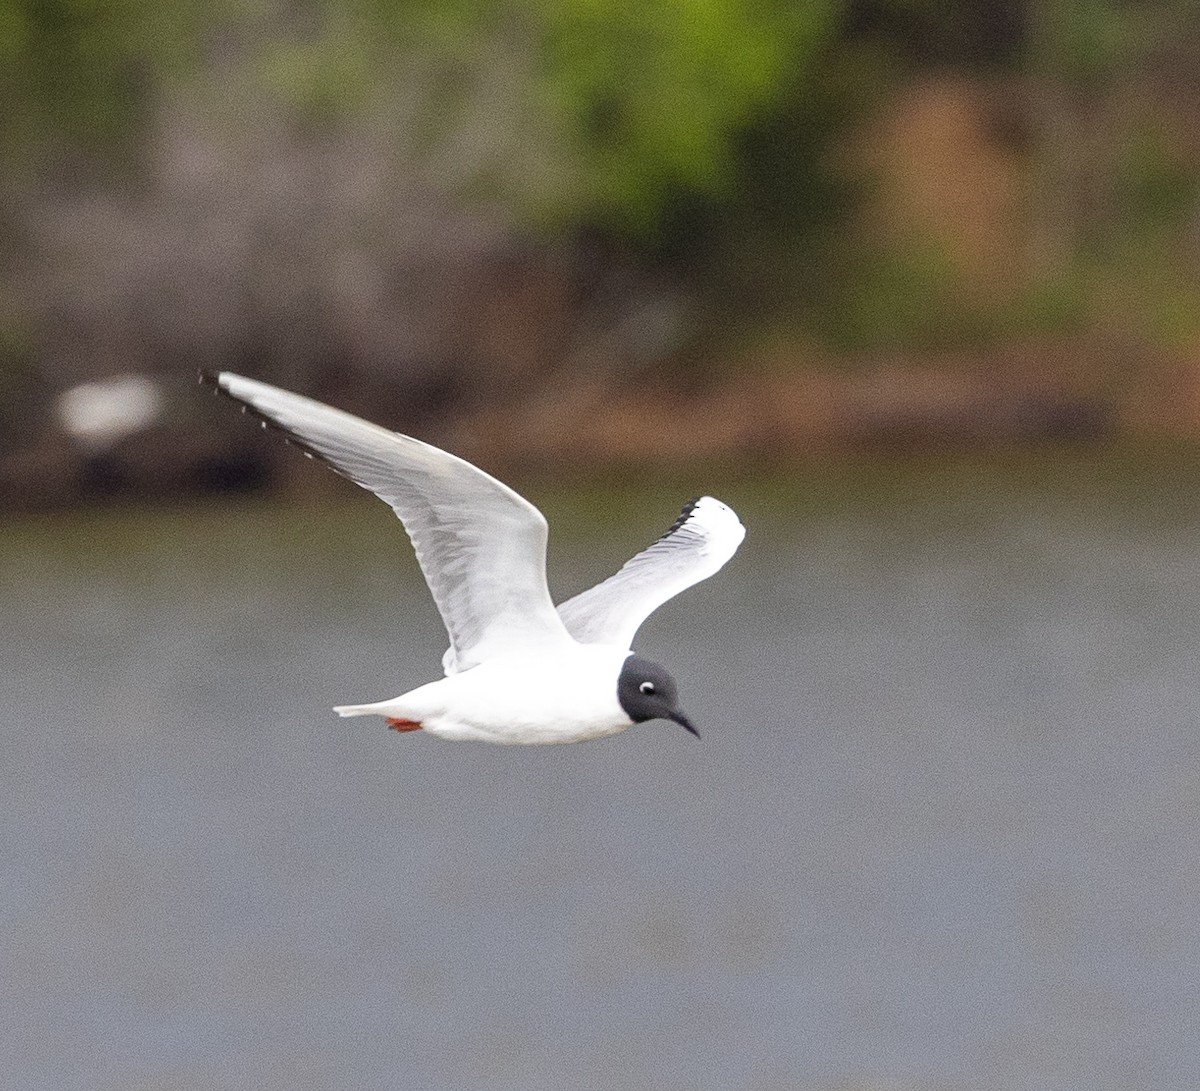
(702,539)
(481,547)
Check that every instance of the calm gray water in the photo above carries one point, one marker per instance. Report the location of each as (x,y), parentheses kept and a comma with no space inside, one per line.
(942,830)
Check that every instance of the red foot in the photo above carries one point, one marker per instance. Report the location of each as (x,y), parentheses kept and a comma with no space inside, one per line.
(403,725)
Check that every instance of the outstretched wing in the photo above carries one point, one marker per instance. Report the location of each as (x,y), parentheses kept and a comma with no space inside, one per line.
(481,546)
(706,534)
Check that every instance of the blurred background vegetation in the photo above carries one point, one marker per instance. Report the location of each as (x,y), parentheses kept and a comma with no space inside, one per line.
(577,231)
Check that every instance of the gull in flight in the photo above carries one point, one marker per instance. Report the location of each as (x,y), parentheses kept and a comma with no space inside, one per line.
(517,669)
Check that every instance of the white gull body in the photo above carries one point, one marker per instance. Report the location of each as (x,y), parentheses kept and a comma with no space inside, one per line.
(561,696)
(518,670)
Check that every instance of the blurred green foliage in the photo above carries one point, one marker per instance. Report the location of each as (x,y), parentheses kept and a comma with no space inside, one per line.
(650,95)
(84,70)
(705,137)
(642,99)
(1155,186)
(1086,42)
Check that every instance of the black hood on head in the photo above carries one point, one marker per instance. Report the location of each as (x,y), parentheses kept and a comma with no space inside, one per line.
(647,692)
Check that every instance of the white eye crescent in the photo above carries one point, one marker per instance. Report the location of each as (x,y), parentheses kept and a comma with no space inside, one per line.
(647,688)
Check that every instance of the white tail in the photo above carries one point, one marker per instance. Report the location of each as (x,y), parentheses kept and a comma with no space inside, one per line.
(362,710)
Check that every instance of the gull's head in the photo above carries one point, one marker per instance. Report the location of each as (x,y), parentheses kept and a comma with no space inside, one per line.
(648,692)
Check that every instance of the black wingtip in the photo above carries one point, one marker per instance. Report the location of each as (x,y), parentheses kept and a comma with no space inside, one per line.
(684,516)
(213,379)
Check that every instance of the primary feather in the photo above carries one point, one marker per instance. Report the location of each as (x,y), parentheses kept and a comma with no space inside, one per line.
(481,546)
(706,534)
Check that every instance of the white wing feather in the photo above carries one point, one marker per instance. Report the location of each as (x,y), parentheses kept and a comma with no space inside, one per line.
(481,546)
(706,534)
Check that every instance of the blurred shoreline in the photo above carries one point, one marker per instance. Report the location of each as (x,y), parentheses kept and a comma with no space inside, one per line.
(760,426)
(908,236)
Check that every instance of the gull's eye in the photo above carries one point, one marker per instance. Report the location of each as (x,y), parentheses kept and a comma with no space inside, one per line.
(647,688)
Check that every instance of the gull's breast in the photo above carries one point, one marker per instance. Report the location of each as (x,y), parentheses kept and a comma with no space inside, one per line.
(561,697)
